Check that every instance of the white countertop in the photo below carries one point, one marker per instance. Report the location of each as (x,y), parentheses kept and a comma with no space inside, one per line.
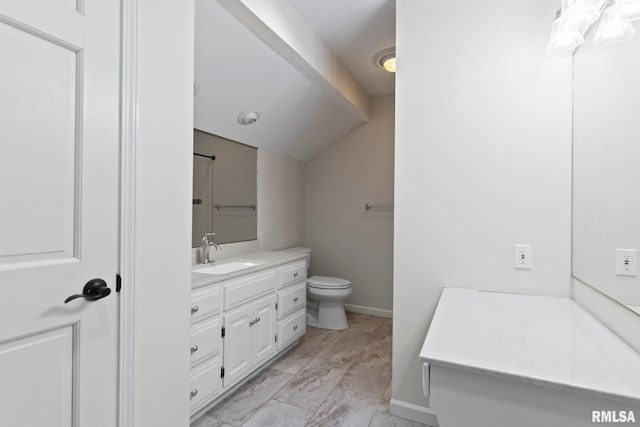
(543,340)
(269,258)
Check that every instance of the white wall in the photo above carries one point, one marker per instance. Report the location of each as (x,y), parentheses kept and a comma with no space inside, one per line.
(163,213)
(280,201)
(483,157)
(346,240)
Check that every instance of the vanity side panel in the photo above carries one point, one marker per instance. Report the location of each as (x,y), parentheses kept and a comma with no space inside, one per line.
(489,401)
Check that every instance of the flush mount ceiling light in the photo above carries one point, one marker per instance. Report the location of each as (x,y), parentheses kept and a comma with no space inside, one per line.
(580,14)
(630,9)
(563,38)
(613,27)
(248,117)
(386,59)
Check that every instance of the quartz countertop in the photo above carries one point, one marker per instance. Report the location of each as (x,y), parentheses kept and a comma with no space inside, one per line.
(270,259)
(547,341)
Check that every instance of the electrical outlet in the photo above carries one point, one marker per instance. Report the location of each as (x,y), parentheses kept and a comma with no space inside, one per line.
(626,262)
(523,257)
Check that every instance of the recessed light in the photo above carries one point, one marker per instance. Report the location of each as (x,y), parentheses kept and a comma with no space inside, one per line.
(248,117)
(386,59)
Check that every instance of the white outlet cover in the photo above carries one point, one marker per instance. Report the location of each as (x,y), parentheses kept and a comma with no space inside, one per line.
(626,262)
(522,259)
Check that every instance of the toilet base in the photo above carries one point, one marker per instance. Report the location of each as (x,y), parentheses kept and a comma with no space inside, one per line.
(327,315)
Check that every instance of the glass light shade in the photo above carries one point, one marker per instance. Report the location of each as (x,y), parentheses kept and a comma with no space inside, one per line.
(613,28)
(580,14)
(630,9)
(563,37)
(389,64)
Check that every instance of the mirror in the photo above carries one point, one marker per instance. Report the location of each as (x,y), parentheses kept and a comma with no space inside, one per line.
(224,189)
(606,169)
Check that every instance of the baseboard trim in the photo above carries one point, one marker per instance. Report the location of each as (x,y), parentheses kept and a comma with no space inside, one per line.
(372,311)
(419,414)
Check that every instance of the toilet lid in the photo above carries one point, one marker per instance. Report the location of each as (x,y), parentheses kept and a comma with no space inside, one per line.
(326,282)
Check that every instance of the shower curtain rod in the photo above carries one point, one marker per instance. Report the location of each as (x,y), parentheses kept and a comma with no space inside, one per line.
(203,155)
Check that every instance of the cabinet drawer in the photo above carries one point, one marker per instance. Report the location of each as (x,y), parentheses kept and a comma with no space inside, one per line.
(292,273)
(292,328)
(291,299)
(241,290)
(206,302)
(206,383)
(206,340)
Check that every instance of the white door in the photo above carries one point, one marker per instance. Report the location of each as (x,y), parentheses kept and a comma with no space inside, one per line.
(59,97)
(237,343)
(264,330)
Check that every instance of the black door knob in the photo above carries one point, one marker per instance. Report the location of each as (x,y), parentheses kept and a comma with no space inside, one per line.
(94,290)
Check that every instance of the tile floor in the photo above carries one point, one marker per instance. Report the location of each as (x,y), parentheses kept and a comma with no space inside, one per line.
(332,378)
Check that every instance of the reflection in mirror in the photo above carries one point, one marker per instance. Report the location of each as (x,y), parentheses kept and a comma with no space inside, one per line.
(224,189)
(606,168)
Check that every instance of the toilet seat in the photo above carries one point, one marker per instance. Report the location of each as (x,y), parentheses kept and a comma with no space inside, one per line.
(326,282)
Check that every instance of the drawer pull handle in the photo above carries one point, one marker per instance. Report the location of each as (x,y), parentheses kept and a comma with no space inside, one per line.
(252,322)
(194,348)
(295,274)
(194,309)
(295,299)
(194,393)
(257,319)
(295,327)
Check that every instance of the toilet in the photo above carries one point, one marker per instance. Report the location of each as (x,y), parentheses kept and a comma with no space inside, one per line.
(325,302)
(325,298)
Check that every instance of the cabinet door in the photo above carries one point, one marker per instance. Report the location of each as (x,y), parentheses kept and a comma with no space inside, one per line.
(264,330)
(237,343)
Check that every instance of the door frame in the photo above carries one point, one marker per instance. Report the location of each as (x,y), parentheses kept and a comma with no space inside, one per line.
(127,173)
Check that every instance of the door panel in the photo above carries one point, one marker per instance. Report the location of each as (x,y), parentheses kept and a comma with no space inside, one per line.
(46,381)
(237,344)
(39,82)
(264,331)
(59,148)
(60,20)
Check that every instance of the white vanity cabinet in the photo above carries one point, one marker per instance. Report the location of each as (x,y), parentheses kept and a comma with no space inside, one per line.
(292,302)
(206,345)
(250,335)
(240,324)
(550,364)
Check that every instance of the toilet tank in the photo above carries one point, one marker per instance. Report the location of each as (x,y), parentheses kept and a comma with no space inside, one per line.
(302,250)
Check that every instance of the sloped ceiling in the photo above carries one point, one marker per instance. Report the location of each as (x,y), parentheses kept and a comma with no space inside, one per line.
(306,66)
(355,31)
(237,71)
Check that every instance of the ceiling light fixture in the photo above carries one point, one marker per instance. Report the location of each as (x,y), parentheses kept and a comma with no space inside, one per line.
(580,14)
(563,37)
(613,28)
(630,9)
(248,117)
(386,59)
(576,18)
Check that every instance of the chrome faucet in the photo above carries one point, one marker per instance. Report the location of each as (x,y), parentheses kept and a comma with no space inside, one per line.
(204,248)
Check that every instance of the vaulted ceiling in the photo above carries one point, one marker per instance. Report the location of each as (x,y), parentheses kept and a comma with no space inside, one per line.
(356,30)
(305,66)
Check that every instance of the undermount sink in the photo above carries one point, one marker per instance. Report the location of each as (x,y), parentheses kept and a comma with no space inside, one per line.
(229,267)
